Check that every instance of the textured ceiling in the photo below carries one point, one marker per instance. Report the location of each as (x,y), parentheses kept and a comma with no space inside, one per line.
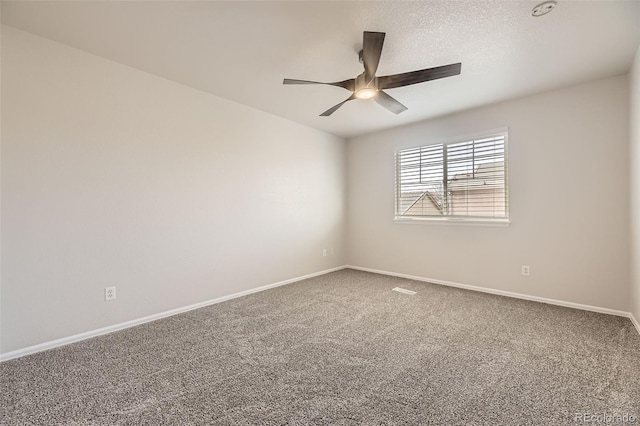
(242,50)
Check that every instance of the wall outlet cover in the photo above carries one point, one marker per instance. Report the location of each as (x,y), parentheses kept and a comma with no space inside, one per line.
(109,293)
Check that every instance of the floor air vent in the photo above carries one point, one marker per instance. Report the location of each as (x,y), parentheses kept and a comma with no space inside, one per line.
(405,291)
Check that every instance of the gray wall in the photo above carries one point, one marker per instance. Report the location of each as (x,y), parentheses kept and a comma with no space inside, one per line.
(111,176)
(634,139)
(568,184)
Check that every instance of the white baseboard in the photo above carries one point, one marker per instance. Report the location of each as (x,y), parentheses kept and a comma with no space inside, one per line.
(121,326)
(635,322)
(504,293)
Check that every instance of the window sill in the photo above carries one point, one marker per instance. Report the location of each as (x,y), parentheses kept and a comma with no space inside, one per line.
(452,221)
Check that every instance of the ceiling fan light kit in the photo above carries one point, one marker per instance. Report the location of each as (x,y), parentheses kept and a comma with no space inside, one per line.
(366,93)
(368,86)
(365,88)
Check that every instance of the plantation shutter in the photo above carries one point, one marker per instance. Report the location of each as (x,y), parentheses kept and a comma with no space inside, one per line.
(421,172)
(461,179)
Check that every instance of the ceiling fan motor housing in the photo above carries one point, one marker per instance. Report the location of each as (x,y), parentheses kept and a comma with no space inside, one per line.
(362,83)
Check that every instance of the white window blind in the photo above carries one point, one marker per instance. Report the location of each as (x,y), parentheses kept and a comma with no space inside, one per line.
(466,179)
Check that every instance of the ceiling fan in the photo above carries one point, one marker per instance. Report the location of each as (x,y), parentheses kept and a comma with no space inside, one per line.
(368,86)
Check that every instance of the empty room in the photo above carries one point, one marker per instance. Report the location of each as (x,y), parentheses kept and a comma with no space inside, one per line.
(320,213)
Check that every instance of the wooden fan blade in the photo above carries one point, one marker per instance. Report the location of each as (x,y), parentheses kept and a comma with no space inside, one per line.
(415,77)
(389,103)
(335,107)
(371,52)
(346,84)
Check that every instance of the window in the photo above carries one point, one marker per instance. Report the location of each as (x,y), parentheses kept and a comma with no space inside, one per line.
(454,181)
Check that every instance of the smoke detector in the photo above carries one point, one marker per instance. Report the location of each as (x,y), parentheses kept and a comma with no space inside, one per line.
(543,8)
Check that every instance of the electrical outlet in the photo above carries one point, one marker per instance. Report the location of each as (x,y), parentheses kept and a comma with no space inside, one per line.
(324,252)
(331,251)
(109,293)
(525,270)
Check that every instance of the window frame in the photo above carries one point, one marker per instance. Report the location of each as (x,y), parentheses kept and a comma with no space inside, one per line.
(450,219)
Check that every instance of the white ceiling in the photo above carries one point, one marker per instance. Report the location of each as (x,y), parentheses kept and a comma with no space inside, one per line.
(242,50)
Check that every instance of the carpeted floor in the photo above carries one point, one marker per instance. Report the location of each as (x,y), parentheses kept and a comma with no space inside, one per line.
(339,349)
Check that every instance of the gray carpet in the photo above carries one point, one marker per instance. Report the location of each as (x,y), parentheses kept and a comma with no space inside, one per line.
(338,349)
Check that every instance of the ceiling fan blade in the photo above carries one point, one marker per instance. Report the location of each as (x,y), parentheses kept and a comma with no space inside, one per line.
(389,103)
(335,107)
(371,51)
(347,84)
(415,77)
